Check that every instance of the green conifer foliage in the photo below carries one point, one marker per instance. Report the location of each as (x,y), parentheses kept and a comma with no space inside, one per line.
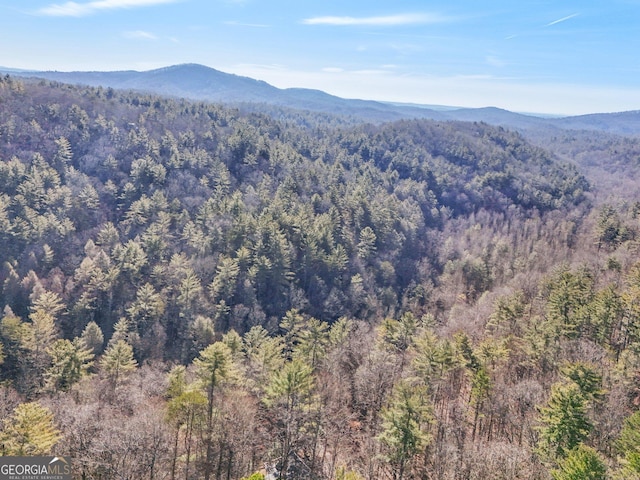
(70,362)
(404,426)
(30,430)
(118,362)
(564,420)
(629,447)
(582,463)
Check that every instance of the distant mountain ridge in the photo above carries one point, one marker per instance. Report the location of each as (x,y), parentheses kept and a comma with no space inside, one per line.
(198,82)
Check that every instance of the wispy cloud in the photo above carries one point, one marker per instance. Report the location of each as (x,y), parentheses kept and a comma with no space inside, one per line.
(140,34)
(370,71)
(495,61)
(515,94)
(241,24)
(382,21)
(563,19)
(75,9)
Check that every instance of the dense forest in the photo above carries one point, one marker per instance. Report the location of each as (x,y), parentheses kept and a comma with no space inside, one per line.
(191,290)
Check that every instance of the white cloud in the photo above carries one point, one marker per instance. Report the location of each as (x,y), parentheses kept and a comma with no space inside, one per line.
(563,19)
(241,24)
(140,34)
(370,72)
(382,21)
(74,9)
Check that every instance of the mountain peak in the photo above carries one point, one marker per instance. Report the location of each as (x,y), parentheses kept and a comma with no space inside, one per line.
(185,67)
(199,82)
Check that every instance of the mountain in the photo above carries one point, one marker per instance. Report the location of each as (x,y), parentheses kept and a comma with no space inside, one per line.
(198,82)
(340,220)
(184,280)
(623,123)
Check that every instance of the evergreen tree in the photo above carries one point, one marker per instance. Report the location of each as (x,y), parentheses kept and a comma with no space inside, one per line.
(289,395)
(314,339)
(13,335)
(212,367)
(292,324)
(587,378)
(629,447)
(92,337)
(117,362)
(48,302)
(567,293)
(367,244)
(264,355)
(405,424)
(564,420)
(30,430)
(581,463)
(41,334)
(201,333)
(186,409)
(70,362)
(147,307)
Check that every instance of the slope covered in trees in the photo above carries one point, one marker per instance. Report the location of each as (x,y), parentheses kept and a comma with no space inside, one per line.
(160,212)
(193,290)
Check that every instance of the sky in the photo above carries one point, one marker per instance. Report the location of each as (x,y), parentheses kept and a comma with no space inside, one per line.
(555,57)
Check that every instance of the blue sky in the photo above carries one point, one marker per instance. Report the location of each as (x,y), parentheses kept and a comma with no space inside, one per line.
(561,57)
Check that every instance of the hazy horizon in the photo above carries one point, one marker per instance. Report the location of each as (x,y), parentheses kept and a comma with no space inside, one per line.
(569,59)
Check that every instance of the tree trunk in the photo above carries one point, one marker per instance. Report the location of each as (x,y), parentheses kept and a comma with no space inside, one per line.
(229,464)
(209,433)
(174,460)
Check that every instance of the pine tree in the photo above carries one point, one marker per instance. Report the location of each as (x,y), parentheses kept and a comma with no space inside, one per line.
(41,334)
(343,474)
(224,283)
(185,409)
(117,362)
(49,302)
(292,323)
(587,378)
(212,366)
(404,426)
(314,339)
(367,244)
(70,362)
(92,337)
(264,355)
(13,335)
(190,289)
(288,396)
(64,155)
(564,420)
(30,430)
(629,446)
(582,463)
(147,307)
(201,333)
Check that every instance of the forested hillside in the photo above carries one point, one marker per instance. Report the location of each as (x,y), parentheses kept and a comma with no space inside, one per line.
(191,291)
